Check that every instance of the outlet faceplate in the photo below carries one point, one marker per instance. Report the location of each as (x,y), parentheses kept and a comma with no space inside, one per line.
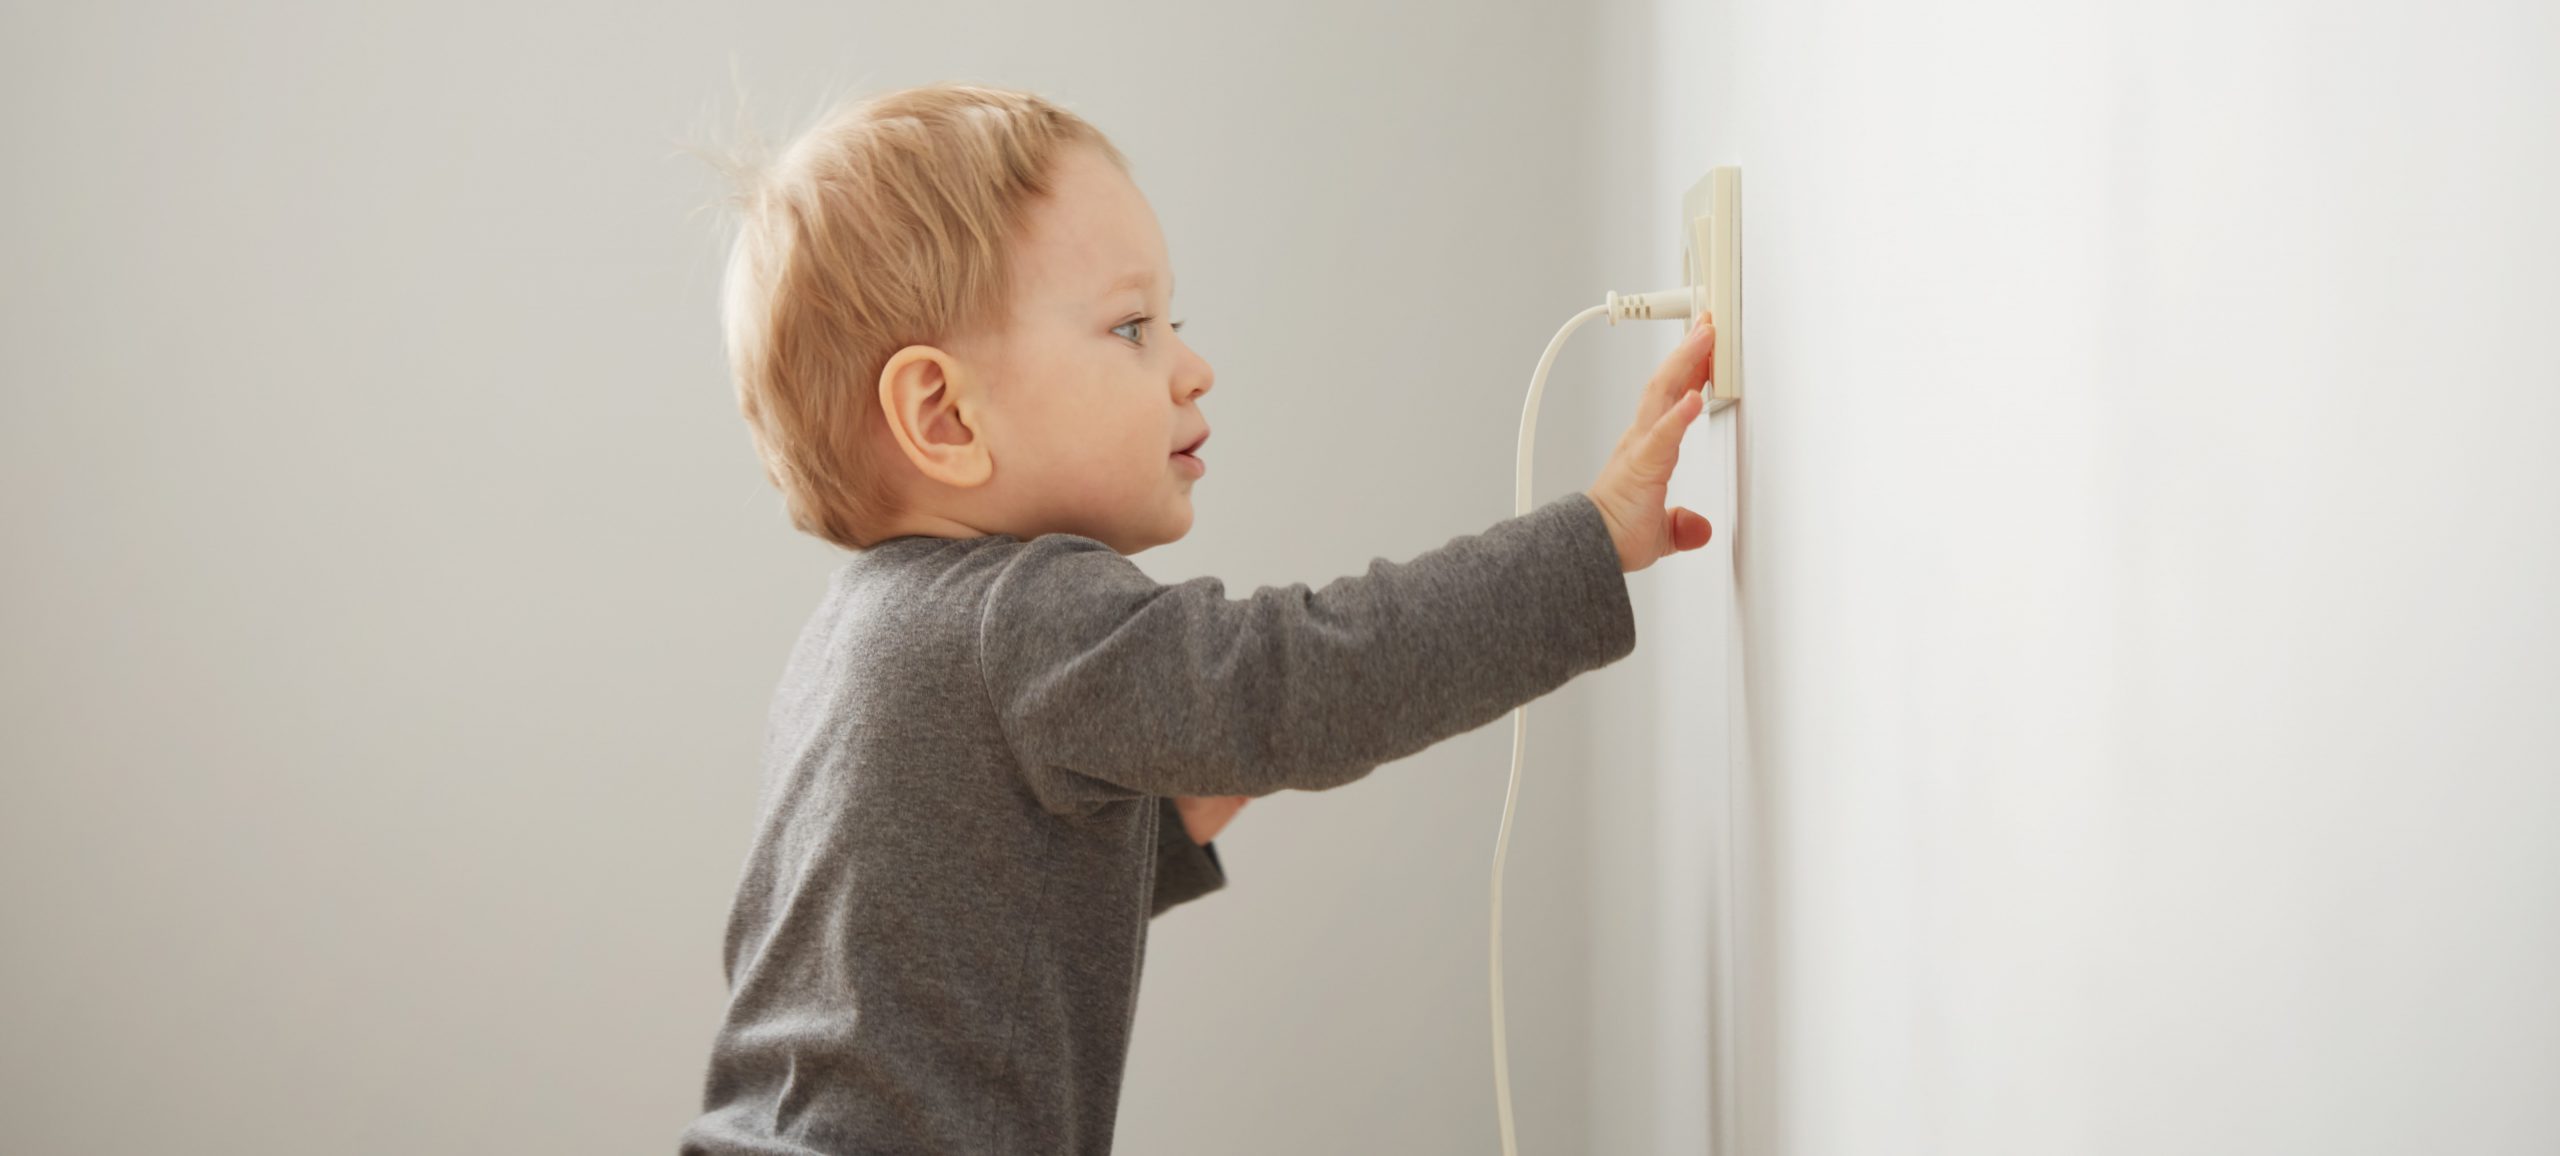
(1711,232)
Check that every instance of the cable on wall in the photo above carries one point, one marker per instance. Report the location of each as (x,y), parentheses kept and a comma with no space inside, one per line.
(1666,305)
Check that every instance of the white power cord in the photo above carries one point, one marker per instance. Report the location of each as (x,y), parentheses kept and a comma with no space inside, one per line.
(1666,305)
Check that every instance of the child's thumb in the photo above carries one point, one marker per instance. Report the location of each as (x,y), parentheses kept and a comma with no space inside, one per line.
(1689,530)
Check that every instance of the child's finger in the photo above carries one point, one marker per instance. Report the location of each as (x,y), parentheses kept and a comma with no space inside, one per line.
(1661,447)
(1685,369)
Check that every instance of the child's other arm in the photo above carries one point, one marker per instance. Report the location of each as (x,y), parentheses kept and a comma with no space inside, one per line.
(1186,867)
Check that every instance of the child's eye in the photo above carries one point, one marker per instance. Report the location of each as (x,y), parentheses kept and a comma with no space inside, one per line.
(1141,323)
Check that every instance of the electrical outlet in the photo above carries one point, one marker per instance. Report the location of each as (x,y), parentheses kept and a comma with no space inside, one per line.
(1711,259)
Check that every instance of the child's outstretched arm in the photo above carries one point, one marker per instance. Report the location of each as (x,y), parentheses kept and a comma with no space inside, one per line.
(1110,685)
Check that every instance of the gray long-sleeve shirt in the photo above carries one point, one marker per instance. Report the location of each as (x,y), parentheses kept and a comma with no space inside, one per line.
(967,819)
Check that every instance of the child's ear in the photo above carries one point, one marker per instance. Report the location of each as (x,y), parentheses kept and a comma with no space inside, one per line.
(931,405)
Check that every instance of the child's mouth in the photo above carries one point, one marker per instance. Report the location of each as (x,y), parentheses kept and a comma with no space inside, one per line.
(1188,457)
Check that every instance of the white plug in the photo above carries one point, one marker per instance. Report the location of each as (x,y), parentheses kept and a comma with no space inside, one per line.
(1660,305)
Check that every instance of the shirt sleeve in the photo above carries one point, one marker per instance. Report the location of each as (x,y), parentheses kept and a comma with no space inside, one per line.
(1184,870)
(1109,685)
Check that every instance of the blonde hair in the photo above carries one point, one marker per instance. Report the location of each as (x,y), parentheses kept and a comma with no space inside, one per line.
(885,224)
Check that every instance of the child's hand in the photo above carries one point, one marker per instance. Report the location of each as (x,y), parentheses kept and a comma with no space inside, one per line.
(1631,488)
(1204,817)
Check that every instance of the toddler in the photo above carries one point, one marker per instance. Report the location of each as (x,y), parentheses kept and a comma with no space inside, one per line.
(998,748)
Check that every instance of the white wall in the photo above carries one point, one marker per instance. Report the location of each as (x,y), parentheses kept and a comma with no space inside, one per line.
(393,598)
(2147,577)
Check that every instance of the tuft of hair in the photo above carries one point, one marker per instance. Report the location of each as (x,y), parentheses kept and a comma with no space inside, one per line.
(887,222)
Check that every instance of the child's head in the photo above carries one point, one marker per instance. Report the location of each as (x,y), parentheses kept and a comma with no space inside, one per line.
(946,315)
